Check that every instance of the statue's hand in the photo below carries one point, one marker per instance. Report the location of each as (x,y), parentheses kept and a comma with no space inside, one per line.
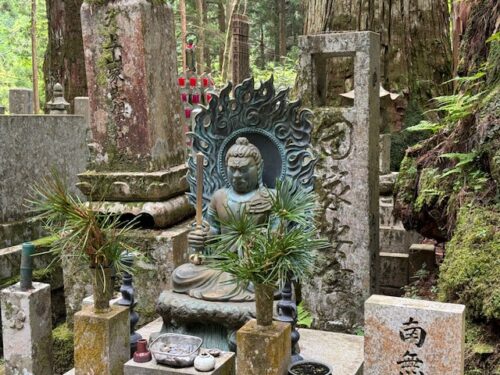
(198,237)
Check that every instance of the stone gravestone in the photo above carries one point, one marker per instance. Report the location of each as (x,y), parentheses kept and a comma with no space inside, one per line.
(21,101)
(347,141)
(138,144)
(408,336)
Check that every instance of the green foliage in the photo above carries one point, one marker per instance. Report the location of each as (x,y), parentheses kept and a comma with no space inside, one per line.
(304,317)
(268,253)
(15,46)
(425,125)
(95,238)
(470,273)
(62,349)
(430,190)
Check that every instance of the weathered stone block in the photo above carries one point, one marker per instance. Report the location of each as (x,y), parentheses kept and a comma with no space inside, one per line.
(394,269)
(54,142)
(397,239)
(224,365)
(135,104)
(386,206)
(21,101)
(27,330)
(386,183)
(101,341)
(385,154)
(422,255)
(263,350)
(408,336)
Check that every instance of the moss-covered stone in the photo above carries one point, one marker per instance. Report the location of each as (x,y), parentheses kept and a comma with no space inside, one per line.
(405,183)
(62,349)
(470,273)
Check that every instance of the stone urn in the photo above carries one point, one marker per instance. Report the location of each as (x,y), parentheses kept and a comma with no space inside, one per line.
(264,298)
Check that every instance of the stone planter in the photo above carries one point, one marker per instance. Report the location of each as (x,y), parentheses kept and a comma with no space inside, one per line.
(102,288)
(309,368)
(264,297)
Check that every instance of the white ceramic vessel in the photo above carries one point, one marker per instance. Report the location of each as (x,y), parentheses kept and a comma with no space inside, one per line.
(204,362)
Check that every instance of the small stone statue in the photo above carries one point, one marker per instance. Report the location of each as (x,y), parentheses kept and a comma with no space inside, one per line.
(244,170)
(58,105)
(190,54)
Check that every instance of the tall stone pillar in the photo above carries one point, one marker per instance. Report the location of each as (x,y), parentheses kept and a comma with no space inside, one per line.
(347,177)
(138,142)
(241,54)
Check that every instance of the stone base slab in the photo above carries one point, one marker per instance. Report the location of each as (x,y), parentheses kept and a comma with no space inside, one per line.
(224,365)
(27,329)
(134,186)
(101,341)
(263,350)
(17,232)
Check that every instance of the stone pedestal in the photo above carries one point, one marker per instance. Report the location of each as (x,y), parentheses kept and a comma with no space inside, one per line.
(224,365)
(101,341)
(264,350)
(408,336)
(27,330)
(21,101)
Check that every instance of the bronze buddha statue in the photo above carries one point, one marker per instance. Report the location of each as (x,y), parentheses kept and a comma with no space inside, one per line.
(244,165)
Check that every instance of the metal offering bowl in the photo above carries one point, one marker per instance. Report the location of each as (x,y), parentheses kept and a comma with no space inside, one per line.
(175,350)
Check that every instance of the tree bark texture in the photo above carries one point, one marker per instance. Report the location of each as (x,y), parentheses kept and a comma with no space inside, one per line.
(182,13)
(201,36)
(34,60)
(282,29)
(415,43)
(64,61)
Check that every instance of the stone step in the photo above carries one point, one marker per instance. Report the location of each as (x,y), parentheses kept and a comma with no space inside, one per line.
(396,239)
(394,269)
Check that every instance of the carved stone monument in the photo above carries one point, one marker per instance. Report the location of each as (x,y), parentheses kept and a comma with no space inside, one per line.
(138,141)
(259,131)
(347,141)
(408,336)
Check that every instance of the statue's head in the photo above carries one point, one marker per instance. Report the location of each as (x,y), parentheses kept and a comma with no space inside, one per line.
(244,166)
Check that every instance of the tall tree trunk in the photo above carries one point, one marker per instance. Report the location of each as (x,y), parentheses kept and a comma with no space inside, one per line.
(221,15)
(34,60)
(415,51)
(262,48)
(64,60)
(182,13)
(282,29)
(201,36)
(206,45)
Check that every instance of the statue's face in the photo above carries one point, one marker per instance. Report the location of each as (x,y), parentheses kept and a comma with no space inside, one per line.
(243,174)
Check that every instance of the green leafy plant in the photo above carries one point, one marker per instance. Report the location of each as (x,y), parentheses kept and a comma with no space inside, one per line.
(99,239)
(267,254)
(304,317)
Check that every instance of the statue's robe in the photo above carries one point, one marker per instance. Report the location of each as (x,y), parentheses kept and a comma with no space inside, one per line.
(201,282)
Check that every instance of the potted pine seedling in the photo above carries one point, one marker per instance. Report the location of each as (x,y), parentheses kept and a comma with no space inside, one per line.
(266,254)
(98,239)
